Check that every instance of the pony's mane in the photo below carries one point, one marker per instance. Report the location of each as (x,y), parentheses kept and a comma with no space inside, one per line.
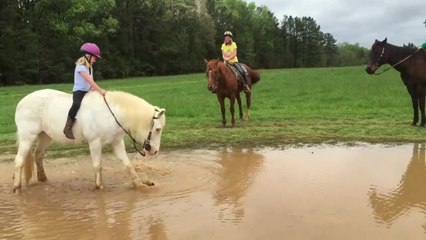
(135,113)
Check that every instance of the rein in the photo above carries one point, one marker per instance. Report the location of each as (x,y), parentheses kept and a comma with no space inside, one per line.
(146,143)
(381,55)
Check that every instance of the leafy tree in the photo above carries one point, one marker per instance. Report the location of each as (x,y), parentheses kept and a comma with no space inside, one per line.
(352,54)
(39,39)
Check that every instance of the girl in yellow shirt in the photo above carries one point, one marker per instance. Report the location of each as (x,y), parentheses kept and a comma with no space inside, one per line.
(229,55)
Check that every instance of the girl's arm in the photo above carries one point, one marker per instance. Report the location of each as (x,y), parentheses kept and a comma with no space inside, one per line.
(92,83)
(233,54)
(230,56)
(225,58)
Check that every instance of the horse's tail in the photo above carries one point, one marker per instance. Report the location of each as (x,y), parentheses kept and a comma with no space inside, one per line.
(29,166)
(255,76)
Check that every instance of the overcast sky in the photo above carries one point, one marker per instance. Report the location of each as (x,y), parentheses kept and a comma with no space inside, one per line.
(359,21)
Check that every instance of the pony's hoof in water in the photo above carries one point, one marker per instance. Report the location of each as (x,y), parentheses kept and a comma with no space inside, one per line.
(17,190)
(149,184)
(42,179)
(99,187)
(143,183)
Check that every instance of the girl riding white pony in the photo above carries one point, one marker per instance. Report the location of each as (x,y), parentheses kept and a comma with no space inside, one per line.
(42,114)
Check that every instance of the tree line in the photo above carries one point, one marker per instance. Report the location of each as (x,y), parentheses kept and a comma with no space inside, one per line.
(40,39)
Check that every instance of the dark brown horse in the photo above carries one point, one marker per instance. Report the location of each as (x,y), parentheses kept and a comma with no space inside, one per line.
(411,63)
(223,81)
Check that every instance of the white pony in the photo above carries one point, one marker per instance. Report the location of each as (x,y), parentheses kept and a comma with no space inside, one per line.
(41,116)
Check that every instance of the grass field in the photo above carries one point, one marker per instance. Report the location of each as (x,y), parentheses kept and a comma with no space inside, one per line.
(289,106)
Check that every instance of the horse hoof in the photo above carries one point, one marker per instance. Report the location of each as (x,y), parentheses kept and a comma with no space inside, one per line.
(17,190)
(42,179)
(150,184)
(142,183)
(99,187)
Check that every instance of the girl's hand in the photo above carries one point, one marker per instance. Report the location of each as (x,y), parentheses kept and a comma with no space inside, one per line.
(102,92)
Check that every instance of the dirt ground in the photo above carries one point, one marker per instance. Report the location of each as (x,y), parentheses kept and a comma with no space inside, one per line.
(311,192)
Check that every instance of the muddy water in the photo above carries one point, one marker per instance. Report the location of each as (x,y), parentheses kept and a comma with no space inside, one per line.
(320,192)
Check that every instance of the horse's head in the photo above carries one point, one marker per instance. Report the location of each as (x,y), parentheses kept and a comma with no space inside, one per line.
(153,141)
(378,56)
(213,74)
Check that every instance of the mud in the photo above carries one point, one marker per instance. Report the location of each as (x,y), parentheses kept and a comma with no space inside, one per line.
(310,192)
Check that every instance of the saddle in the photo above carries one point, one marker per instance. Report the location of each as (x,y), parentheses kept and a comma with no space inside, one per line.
(239,75)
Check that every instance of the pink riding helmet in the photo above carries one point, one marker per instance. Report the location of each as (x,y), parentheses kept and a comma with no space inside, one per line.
(92,49)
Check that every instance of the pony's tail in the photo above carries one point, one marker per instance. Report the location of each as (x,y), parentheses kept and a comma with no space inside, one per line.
(255,76)
(29,167)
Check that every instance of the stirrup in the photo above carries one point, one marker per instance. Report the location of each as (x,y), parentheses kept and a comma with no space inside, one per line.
(247,88)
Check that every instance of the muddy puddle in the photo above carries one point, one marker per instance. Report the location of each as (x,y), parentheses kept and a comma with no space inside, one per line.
(315,192)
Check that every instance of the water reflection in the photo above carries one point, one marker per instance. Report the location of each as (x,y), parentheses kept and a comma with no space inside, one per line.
(240,167)
(410,192)
(95,215)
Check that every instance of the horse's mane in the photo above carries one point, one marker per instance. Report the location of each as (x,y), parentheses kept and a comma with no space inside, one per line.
(402,49)
(134,112)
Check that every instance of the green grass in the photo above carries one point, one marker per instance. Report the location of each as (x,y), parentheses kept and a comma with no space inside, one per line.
(289,106)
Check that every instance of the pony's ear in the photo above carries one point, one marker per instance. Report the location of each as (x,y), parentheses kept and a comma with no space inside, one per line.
(385,41)
(205,61)
(162,111)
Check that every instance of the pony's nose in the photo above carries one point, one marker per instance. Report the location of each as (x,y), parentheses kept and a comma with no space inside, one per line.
(212,88)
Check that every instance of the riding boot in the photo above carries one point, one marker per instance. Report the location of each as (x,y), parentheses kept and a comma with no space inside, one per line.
(68,128)
(246,86)
(244,75)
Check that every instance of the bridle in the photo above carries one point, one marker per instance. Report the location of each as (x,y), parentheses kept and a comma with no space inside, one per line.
(392,66)
(147,142)
(213,73)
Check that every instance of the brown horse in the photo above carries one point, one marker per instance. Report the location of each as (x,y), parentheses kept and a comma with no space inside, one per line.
(223,81)
(411,63)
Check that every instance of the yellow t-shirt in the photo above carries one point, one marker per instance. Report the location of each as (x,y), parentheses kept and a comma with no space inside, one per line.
(228,50)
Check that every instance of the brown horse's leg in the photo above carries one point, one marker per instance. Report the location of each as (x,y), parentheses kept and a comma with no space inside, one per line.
(248,102)
(221,100)
(232,110)
(421,97)
(414,101)
(240,108)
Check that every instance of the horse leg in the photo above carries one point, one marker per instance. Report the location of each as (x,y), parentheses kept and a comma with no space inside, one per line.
(120,152)
(240,108)
(232,110)
(222,109)
(96,154)
(248,102)
(43,142)
(414,101)
(421,99)
(23,157)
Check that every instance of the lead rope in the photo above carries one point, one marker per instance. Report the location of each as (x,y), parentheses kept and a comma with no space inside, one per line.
(127,132)
(395,63)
